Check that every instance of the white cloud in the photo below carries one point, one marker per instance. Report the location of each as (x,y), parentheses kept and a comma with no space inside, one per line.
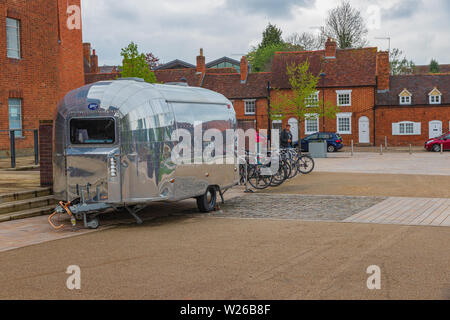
(178,28)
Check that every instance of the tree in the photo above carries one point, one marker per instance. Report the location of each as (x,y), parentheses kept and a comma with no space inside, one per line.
(300,102)
(434,66)
(152,61)
(134,64)
(305,41)
(271,36)
(346,25)
(399,64)
(260,57)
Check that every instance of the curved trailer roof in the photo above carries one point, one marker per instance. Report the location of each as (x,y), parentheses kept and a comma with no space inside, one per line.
(125,95)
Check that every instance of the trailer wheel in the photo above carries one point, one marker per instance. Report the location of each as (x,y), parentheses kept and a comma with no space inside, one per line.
(207,202)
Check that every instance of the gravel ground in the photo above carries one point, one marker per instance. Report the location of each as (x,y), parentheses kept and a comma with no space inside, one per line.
(302,207)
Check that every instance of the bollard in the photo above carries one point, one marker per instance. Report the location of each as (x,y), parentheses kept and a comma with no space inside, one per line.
(12,139)
(385,142)
(36,147)
(381,149)
(352,148)
(410,149)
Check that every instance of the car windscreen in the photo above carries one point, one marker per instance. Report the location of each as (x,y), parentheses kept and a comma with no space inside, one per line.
(92,131)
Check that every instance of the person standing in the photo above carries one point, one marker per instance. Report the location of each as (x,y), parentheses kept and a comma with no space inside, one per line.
(286,138)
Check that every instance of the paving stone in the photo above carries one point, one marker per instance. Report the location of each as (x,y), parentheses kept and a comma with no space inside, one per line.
(302,207)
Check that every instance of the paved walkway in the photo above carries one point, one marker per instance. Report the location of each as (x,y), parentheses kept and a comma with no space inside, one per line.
(426,163)
(407,211)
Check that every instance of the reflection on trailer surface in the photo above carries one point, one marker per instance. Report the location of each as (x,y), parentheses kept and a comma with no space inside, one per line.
(113,142)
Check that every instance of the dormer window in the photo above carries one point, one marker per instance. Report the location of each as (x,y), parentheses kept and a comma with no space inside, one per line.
(405,97)
(435,96)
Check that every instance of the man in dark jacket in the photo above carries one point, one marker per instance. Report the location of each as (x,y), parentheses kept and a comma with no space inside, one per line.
(286,138)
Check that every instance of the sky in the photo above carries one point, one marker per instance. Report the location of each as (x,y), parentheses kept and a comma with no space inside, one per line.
(177,29)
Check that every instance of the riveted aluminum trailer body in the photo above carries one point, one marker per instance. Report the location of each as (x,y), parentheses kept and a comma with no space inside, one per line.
(113,142)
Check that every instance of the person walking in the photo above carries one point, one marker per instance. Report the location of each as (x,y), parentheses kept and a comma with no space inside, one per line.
(286,138)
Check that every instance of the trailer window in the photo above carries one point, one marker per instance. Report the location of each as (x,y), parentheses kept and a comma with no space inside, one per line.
(92,131)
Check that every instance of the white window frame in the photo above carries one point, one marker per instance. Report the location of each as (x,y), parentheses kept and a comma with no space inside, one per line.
(245,107)
(11,28)
(310,117)
(16,102)
(408,98)
(437,99)
(397,126)
(313,100)
(344,92)
(344,115)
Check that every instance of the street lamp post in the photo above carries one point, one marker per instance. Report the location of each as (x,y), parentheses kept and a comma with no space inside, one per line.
(322,75)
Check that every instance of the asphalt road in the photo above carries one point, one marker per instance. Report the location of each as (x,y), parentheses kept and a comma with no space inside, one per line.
(186,257)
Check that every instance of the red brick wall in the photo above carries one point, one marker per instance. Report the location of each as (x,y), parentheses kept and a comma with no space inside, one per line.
(46,153)
(46,70)
(385,116)
(261,115)
(362,105)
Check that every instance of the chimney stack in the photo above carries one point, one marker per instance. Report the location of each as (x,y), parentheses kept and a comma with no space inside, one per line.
(94,63)
(87,52)
(330,48)
(244,69)
(201,64)
(383,71)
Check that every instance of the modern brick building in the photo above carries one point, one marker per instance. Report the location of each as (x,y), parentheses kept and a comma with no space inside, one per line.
(41,58)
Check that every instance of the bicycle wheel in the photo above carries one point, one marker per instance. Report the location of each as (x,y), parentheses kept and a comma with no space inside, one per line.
(280,176)
(257,180)
(305,164)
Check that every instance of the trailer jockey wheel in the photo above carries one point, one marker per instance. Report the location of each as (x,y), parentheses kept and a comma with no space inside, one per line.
(207,202)
(93,223)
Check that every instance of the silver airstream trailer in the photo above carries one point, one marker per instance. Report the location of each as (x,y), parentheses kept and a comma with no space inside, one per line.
(113,142)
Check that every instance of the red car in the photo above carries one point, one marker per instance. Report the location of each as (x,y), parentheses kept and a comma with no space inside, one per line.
(436,143)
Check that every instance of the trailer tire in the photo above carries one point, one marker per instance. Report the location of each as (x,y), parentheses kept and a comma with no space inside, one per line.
(207,202)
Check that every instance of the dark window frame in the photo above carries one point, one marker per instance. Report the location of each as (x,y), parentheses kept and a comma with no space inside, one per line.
(71,142)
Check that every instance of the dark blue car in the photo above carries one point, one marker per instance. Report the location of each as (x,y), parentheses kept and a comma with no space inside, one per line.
(334,141)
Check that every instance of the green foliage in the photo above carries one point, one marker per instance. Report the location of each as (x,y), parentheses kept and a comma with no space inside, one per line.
(271,36)
(434,66)
(134,64)
(400,65)
(297,102)
(261,59)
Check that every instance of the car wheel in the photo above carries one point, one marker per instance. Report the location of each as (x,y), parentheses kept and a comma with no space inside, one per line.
(436,148)
(207,202)
(331,148)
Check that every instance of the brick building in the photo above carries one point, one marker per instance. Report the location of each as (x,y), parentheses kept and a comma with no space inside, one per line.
(358,81)
(92,71)
(414,109)
(348,79)
(41,60)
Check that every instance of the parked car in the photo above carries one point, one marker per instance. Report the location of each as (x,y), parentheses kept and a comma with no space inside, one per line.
(334,141)
(436,143)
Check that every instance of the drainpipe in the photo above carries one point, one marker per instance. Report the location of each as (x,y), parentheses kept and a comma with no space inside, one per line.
(269,127)
(374,114)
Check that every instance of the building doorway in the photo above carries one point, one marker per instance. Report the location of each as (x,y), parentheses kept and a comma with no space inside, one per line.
(294,129)
(364,130)
(434,129)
